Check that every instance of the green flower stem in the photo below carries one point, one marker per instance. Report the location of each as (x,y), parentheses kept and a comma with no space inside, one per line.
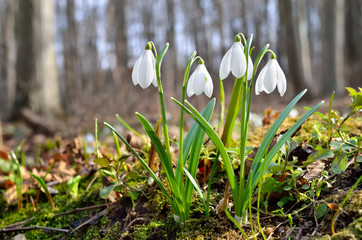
(343,202)
(180,165)
(243,135)
(222,106)
(162,99)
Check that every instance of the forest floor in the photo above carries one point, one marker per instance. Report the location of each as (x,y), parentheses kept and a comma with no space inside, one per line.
(306,202)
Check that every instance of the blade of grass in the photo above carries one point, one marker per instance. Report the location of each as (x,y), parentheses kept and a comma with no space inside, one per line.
(145,165)
(44,187)
(166,163)
(129,128)
(194,145)
(216,140)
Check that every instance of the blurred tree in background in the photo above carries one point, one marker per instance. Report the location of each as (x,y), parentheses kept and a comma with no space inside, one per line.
(72,57)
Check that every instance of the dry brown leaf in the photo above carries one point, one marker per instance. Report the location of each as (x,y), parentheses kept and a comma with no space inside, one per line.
(314,170)
(332,206)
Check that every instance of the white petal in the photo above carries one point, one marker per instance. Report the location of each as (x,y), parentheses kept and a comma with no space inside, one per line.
(250,68)
(238,60)
(225,65)
(135,71)
(270,79)
(282,81)
(154,80)
(146,69)
(259,86)
(190,83)
(209,85)
(199,83)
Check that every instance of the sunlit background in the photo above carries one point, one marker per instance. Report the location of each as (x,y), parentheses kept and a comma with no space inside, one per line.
(74,58)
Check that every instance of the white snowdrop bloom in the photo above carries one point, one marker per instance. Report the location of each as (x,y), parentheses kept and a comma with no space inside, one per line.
(250,68)
(144,70)
(234,61)
(200,81)
(271,76)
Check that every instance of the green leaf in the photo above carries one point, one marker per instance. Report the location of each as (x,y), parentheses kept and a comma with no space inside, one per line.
(104,192)
(341,145)
(216,140)
(41,183)
(259,165)
(271,185)
(103,162)
(321,210)
(73,184)
(322,154)
(166,163)
(339,163)
(193,142)
(145,165)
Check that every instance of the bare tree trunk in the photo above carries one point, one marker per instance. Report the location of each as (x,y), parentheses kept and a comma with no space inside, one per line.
(37,85)
(332,47)
(353,36)
(304,52)
(7,61)
(72,67)
(293,50)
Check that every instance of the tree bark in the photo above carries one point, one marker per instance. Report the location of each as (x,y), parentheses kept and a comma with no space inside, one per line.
(7,61)
(293,49)
(332,47)
(37,85)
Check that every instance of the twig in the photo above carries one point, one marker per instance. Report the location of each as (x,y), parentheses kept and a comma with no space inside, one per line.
(316,222)
(95,217)
(13,225)
(80,209)
(33,228)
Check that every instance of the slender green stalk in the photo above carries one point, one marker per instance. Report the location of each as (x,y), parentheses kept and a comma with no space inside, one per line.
(96,136)
(210,181)
(129,128)
(117,144)
(343,202)
(258,210)
(179,173)
(222,106)
(235,223)
(162,98)
(329,117)
(85,152)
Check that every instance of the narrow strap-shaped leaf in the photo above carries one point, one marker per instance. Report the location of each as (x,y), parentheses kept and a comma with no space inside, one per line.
(262,166)
(153,175)
(216,140)
(165,161)
(195,145)
(194,183)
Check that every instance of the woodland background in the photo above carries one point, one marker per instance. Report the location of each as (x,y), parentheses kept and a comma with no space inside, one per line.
(62,57)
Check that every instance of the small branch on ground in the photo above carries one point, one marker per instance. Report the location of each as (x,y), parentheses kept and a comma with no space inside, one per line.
(33,228)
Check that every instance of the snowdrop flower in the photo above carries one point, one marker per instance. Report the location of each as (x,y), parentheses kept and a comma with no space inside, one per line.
(200,81)
(234,61)
(271,76)
(144,70)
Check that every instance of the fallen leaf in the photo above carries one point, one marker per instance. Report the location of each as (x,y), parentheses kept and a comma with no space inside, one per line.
(332,206)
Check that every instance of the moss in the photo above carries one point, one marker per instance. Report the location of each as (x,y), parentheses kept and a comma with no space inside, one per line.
(147,231)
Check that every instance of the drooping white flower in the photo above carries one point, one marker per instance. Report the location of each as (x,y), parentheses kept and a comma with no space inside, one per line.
(200,81)
(234,61)
(250,68)
(144,70)
(271,76)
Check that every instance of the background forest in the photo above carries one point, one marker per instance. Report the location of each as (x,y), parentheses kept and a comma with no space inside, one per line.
(64,57)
